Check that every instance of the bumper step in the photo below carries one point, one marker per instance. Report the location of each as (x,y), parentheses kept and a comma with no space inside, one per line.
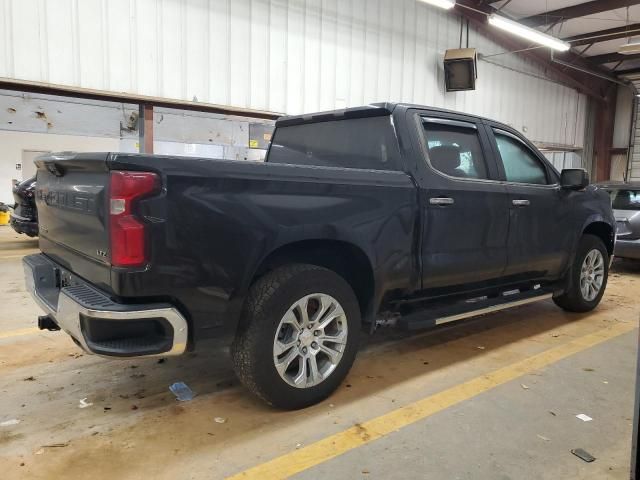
(97,323)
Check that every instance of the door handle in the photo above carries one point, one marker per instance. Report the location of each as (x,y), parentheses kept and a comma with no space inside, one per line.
(441,201)
(521,203)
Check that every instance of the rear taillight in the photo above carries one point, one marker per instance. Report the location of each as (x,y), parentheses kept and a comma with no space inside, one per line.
(128,236)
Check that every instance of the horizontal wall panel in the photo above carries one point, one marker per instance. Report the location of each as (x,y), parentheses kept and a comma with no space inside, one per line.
(289,56)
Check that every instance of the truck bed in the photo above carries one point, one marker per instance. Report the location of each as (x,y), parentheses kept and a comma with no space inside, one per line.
(213,223)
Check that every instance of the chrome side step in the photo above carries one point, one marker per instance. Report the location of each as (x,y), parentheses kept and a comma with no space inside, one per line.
(445,313)
(495,308)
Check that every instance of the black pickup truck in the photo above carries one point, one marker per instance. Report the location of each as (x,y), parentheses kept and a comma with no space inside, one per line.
(358,216)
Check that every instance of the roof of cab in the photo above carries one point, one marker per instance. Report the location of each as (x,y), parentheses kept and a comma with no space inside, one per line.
(371,110)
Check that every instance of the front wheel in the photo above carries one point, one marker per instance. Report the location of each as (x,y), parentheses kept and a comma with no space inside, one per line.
(587,276)
(298,336)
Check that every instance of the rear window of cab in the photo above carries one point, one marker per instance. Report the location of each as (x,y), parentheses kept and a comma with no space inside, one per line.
(364,143)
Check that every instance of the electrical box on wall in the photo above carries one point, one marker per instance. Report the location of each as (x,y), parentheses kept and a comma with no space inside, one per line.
(460,69)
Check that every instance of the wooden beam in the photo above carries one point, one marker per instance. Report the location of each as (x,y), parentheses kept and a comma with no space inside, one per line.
(604,35)
(603,141)
(145,128)
(612,57)
(92,94)
(576,11)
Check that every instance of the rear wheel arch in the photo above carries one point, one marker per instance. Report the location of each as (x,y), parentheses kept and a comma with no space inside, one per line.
(344,258)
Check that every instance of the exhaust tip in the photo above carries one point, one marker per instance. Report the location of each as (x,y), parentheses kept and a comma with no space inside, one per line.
(46,322)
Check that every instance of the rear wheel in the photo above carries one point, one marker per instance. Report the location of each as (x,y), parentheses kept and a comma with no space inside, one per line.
(298,336)
(587,276)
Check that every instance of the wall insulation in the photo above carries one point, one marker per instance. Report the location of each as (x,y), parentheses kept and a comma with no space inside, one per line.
(633,174)
(284,56)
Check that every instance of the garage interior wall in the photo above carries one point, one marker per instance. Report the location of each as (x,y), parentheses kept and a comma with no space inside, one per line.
(625,99)
(634,164)
(284,56)
(14,143)
(38,122)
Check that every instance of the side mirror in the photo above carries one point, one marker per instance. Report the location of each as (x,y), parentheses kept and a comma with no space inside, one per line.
(574,178)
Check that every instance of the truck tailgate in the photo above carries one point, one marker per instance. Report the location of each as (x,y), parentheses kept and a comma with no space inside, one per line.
(71,196)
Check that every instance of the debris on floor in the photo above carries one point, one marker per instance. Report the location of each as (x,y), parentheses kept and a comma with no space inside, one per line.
(584,455)
(524,387)
(9,423)
(29,379)
(220,420)
(480,347)
(542,437)
(56,445)
(84,404)
(182,392)
(584,418)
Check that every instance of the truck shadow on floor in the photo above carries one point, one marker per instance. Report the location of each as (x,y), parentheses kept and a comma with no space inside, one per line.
(387,358)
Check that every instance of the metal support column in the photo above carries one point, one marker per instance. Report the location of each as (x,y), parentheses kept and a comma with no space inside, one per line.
(605,115)
(145,127)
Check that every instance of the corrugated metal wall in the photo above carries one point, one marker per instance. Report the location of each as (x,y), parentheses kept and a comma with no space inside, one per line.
(286,56)
(562,160)
(634,165)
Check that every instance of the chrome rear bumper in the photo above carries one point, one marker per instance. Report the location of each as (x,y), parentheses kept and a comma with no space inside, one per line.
(97,323)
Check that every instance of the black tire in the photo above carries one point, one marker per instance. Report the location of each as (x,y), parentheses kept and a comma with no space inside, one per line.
(269,299)
(572,300)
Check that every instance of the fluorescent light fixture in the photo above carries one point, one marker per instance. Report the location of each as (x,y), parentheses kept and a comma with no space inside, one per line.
(528,33)
(629,48)
(447,4)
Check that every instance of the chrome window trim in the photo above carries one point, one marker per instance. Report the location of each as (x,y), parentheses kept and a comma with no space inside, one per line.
(448,121)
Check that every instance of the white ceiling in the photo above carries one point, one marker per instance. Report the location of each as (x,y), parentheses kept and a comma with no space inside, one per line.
(526,8)
(601,21)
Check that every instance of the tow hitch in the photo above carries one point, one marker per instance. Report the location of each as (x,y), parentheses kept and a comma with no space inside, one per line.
(45,322)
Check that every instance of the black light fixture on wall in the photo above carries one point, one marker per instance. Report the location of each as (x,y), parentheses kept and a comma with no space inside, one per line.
(460,69)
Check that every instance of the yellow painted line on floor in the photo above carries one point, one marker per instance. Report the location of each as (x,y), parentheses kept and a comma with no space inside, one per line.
(366,432)
(19,332)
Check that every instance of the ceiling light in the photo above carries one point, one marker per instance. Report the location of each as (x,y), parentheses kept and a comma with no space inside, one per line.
(528,33)
(441,3)
(629,48)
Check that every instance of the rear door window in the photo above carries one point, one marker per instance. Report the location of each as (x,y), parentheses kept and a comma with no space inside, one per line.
(454,148)
(364,143)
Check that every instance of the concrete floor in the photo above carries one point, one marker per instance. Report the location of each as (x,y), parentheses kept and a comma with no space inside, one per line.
(489,398)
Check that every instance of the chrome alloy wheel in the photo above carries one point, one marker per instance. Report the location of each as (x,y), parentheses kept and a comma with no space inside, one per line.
(310,340)
(592,275)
